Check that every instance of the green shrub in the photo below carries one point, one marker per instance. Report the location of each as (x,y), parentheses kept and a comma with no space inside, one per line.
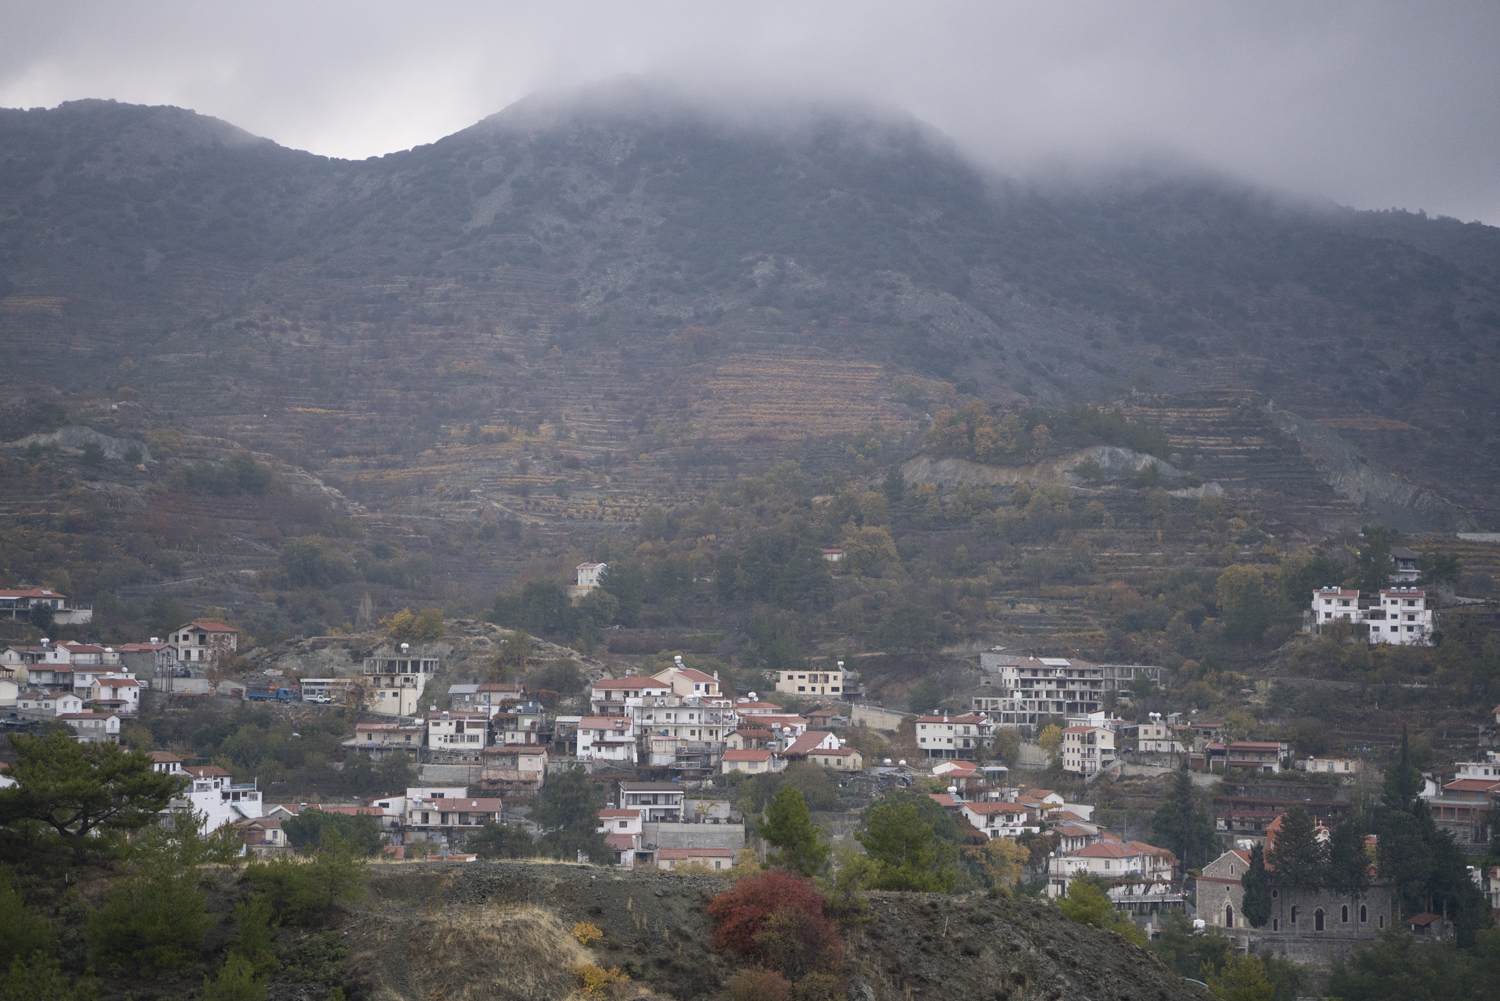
(150,922)
(302,891)
(236,982)
(21,932)
(42,980)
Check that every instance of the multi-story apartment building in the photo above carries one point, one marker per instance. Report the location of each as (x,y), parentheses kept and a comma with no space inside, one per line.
(952,736)
(1034,688)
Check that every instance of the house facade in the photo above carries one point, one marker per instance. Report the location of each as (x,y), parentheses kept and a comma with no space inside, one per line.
(810,683)
(951,736)
(202,642)
(1109,858)
(656,801)
(1404,616)
(1087,749)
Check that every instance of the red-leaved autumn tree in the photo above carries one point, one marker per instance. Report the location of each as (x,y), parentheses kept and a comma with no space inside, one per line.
(776,918)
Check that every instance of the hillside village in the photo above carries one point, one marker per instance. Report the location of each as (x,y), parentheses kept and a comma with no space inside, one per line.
(670,751)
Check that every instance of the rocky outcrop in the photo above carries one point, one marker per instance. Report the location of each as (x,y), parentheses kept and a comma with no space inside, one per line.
(1115,463)
(1400,503)
(73,439)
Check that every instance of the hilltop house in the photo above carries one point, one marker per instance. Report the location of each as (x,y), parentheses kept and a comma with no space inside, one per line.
(1401,615)
(590,576)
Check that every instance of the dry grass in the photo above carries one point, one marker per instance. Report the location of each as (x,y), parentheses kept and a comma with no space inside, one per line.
(476,953)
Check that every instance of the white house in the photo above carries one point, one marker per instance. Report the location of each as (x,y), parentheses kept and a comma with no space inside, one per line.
(1108,858)
(590,576)
(998,820)
(1400,615)
(1409,620)
(41,704)
(10,693)
(657,801)
(606,738)
(620,822)
(214,794)
(1489,768)
(115,693)
(1333,766)
(458,731)
(93,728)
(950,736)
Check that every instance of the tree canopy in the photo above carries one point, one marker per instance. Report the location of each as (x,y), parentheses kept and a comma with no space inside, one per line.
(903,846)
(76,790)
(789,827)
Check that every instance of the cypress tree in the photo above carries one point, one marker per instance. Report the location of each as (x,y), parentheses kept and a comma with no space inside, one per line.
(1296,855)
(1403,780)
(1256,906)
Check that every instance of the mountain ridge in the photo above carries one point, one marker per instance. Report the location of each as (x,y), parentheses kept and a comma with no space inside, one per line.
(592,231)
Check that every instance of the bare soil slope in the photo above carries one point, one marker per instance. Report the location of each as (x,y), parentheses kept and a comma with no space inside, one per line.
(501,930)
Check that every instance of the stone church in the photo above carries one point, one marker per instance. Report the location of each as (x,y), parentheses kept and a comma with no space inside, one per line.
(1308,926)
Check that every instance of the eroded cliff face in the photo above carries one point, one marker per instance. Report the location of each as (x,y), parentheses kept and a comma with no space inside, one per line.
(1404,505)
(501,930)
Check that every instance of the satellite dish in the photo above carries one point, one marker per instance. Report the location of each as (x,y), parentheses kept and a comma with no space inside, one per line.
(903,762)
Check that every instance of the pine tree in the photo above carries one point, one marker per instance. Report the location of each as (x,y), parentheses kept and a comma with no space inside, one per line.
(1182,824)
(789,827)
(1256,906)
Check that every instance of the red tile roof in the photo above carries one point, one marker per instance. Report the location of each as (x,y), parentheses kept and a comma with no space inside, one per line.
(747,755)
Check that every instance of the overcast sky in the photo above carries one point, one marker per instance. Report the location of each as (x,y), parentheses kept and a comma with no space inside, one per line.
(1372,104)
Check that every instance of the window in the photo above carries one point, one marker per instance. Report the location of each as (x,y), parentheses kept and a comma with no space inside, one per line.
(1345,918)
(1228,915)
(1318,919)
(1294,914)
(1363,914)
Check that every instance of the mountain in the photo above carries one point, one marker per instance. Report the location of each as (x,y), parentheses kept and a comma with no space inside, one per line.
(641,264)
